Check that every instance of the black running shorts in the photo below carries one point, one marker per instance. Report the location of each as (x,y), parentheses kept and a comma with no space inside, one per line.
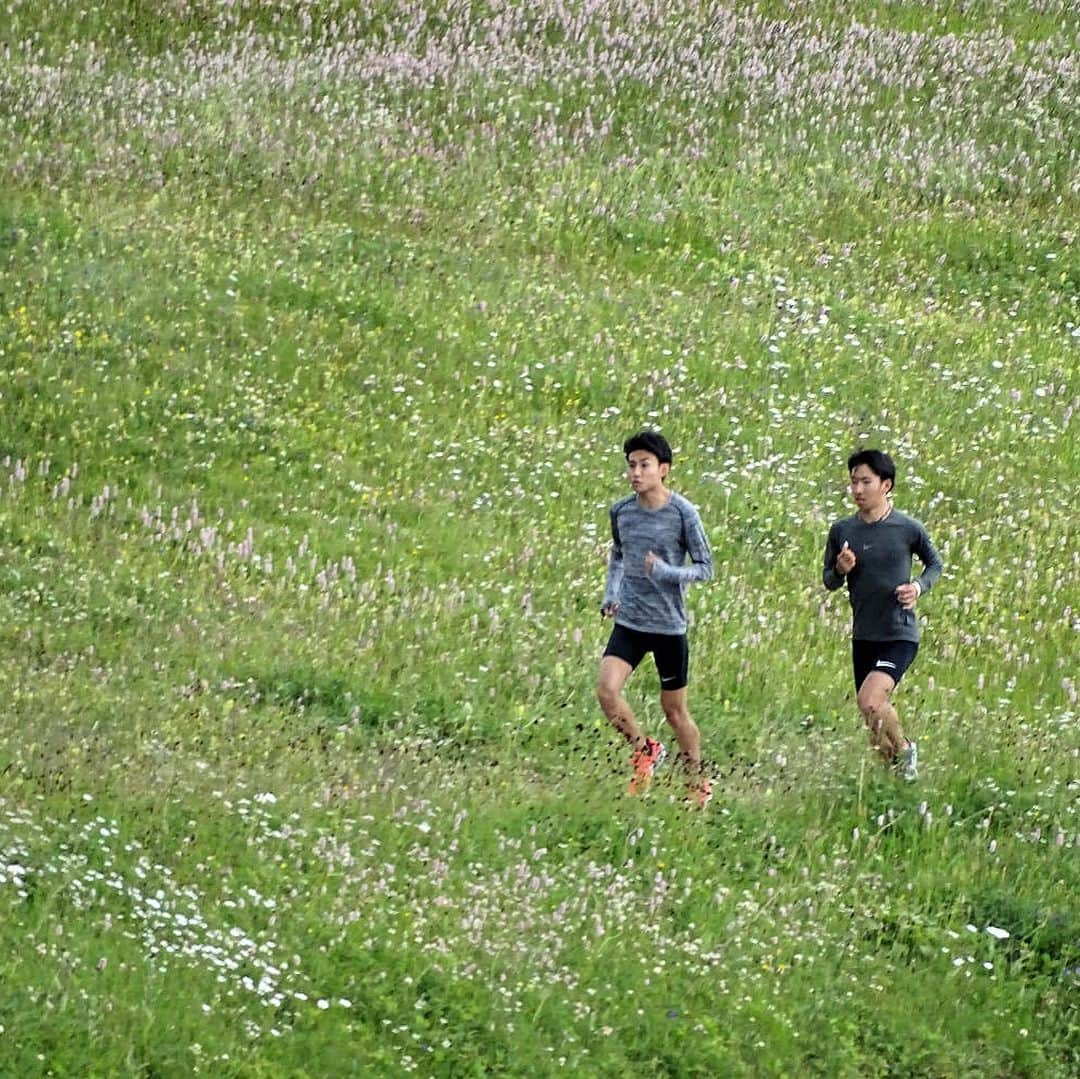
(671,653)
(888,657)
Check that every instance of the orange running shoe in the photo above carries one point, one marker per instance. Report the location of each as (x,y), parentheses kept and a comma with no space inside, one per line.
(646,762)
(700,793)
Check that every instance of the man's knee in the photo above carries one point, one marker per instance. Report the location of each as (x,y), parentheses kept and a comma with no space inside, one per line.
(674,706)
(874,695)
(678,715)
(607,695)
(872,702)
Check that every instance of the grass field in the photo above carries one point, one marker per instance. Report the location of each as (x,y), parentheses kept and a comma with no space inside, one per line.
(321,328)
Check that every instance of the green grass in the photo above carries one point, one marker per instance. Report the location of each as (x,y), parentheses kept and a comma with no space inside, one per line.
(320,332)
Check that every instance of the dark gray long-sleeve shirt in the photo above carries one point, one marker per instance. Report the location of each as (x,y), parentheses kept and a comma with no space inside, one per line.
(655,603)
(883,553)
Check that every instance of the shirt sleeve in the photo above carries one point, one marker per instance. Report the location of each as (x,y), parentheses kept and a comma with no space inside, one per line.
(615,565)
(829,577)
(700,567)
(927,554)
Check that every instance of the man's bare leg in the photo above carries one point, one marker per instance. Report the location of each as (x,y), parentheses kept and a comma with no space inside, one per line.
(614,673)
(673,701)
(882,721)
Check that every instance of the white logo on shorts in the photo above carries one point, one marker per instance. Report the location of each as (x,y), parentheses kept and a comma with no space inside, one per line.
(885,663)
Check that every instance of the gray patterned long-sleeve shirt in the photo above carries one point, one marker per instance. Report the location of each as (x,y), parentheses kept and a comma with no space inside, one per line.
(655,602)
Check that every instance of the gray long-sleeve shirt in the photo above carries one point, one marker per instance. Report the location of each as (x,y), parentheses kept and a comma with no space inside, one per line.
(883,553)
(655,603)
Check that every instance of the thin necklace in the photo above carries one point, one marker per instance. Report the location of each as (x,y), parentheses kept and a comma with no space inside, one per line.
(878,520)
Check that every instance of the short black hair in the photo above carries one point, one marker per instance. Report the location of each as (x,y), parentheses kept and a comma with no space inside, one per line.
(881,464)
(652,442)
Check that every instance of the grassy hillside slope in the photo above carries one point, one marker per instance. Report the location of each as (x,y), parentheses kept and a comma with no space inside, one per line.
(321,328)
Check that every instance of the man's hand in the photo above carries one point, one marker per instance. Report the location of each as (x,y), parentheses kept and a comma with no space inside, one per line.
(608,610)
(845,560)
(650,560)
(907,595)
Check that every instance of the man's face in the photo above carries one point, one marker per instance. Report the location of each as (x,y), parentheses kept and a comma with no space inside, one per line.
(868,489)
(645,471)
